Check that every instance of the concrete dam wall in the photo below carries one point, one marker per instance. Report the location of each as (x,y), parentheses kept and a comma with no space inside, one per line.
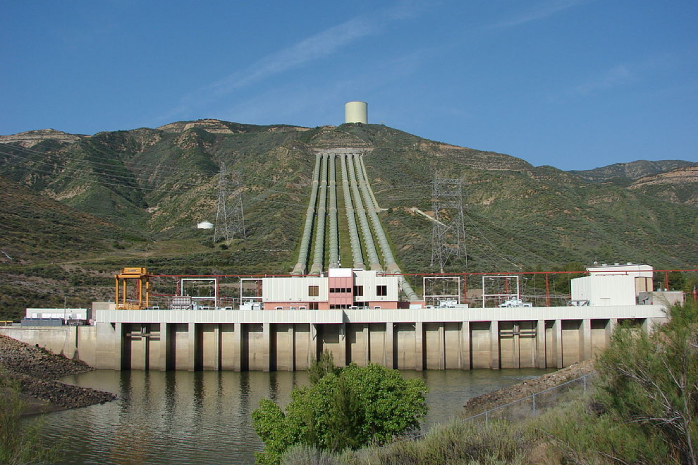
(291,340)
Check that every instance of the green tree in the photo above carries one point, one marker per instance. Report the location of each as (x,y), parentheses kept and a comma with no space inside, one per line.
(348,409)
(652,381)
(321,367)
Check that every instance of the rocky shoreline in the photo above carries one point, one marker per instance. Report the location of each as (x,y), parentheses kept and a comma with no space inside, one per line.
(495,399)
(37,371)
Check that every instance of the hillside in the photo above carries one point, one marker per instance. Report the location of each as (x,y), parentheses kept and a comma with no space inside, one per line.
(134,197)
(679,185)
(623,172)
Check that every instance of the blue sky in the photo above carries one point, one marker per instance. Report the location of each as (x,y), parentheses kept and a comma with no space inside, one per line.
(574,84)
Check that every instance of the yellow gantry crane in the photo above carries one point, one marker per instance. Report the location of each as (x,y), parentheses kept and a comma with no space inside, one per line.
(141,276)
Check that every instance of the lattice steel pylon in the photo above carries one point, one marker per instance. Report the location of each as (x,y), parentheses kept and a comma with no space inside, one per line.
(236,214)
(230,220)
(448,231)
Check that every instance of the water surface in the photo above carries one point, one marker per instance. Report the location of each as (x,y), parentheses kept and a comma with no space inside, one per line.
(181,417)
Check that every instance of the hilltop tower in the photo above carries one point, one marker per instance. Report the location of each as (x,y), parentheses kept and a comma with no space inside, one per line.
(356,112)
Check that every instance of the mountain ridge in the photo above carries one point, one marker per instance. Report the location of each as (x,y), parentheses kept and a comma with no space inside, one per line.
(150,187)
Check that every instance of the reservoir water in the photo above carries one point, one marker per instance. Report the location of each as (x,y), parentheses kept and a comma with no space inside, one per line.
(181,417)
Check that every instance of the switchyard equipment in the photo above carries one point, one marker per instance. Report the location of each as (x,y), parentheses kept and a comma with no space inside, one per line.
(202,291)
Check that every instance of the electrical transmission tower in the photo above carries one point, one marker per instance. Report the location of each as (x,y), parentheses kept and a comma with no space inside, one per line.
(237,214)
(448,232)
(230,222)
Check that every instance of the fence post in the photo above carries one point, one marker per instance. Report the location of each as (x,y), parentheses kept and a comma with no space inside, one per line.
(534,403)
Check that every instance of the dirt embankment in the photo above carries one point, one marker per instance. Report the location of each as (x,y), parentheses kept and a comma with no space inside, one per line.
(37,370)
(491,400)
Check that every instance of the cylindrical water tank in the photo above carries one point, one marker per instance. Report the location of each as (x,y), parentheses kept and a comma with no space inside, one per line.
(356,112)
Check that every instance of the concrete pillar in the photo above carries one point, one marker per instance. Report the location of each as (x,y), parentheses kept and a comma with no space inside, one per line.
(313,344)
(540,345)
(342,345)
(389,345)
(557,342)
(191,361)
(585,351)
(291,348)
(145,338)
(367,344)
(217,347)
(266,347)
(465,346)
(516,346)
(118,346)
(237,347)
(442,347)
(610,327)
(76,341)
(165,346)
(494,345)
(419,346)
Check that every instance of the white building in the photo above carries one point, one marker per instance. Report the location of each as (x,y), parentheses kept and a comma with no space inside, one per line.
(612,285)
(342,288)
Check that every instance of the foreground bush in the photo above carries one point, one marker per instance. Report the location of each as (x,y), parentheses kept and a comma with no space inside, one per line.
(652,381)
(452,443)
(576,434)
(345,408)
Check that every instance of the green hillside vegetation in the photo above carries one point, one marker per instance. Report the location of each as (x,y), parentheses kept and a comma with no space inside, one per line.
(93,204)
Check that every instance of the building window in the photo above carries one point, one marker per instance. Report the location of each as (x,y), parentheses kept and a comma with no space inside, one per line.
(340,290)
(313,305)
(359,290)
(382,291)
(313,291)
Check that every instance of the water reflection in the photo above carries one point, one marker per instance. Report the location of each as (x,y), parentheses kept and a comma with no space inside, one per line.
(205,417)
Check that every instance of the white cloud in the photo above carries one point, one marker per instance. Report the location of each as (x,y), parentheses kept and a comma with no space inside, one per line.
(313,48)
(309,50)
(311,104)
(540,11)
(617,75)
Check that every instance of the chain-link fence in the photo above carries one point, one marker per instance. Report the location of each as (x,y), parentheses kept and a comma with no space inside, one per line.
(528,406)
(536,403)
